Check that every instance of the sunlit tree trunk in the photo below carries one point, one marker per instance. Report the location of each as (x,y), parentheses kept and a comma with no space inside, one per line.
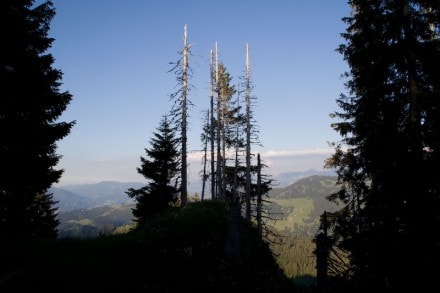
(259,198)
(211,128)
(248,138)
(205,153)
(219,170)
(183,196)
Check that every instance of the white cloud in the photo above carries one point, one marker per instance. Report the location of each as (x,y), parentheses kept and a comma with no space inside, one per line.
(81,170)
(297,153)
(279,161)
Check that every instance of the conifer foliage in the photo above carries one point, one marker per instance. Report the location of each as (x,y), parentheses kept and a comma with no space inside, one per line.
(31,103)
(161,169)
(390,148)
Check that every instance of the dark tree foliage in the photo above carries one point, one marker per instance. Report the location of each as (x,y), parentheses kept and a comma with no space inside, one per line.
(390,148)
(30,105)
(161,169)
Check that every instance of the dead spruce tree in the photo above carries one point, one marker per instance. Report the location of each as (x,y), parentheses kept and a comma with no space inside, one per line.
(179,111)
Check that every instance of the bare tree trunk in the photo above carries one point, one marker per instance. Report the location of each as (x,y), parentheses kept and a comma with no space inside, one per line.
(183,196)
(223,141)
(259,198)
(237,149)
(248,138)
(211,128)
(205,157)
(219,170)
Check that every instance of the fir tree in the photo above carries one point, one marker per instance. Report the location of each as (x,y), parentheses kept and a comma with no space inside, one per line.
(389,124)
(161,169)
(30,105)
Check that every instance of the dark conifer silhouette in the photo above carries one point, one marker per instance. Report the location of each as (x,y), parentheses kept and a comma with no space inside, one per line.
(161,168)
(389,124)
(31,103)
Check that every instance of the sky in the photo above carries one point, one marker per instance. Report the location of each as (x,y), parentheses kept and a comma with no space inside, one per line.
(115,57)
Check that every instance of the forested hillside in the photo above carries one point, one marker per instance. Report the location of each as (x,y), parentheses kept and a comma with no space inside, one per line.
(98,221)
(294,209)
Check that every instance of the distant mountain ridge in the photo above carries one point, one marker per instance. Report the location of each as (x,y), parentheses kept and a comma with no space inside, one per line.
(90,195)
(86,196)
(288,178)
(104,208)
(316,186)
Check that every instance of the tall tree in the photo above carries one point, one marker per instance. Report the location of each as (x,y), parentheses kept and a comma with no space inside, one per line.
(30,106)
(389,124)
(205,139)
(212,121)
(180,109)
(161,168)
(218,137)
(249,126)
(227,120)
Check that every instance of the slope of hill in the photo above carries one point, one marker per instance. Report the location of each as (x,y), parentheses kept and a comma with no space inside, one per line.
(94,222)
(288,178)
(297,207)
(316,186)
(181,251)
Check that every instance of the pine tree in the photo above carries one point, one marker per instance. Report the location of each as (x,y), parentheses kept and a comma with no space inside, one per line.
(161,168)
(389,124)
(30,105)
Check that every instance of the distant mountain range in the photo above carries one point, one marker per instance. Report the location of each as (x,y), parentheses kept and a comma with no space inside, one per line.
(90,223)
(86,196)
(90,210)
(315,186)
(288,178)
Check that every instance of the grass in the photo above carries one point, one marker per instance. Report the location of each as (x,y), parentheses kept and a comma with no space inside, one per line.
(302,208)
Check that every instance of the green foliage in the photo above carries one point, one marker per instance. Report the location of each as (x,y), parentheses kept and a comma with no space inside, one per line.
(30,105)
(295,255)
(161,168)
(296,212)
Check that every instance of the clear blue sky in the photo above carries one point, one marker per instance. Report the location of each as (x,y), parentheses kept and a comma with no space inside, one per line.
(115,58)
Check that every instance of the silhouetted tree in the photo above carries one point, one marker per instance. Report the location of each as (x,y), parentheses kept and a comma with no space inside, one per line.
(205,139)
(222,128)
(161,169)
(31,103)
(251,130)
(180,109)
(390,147)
